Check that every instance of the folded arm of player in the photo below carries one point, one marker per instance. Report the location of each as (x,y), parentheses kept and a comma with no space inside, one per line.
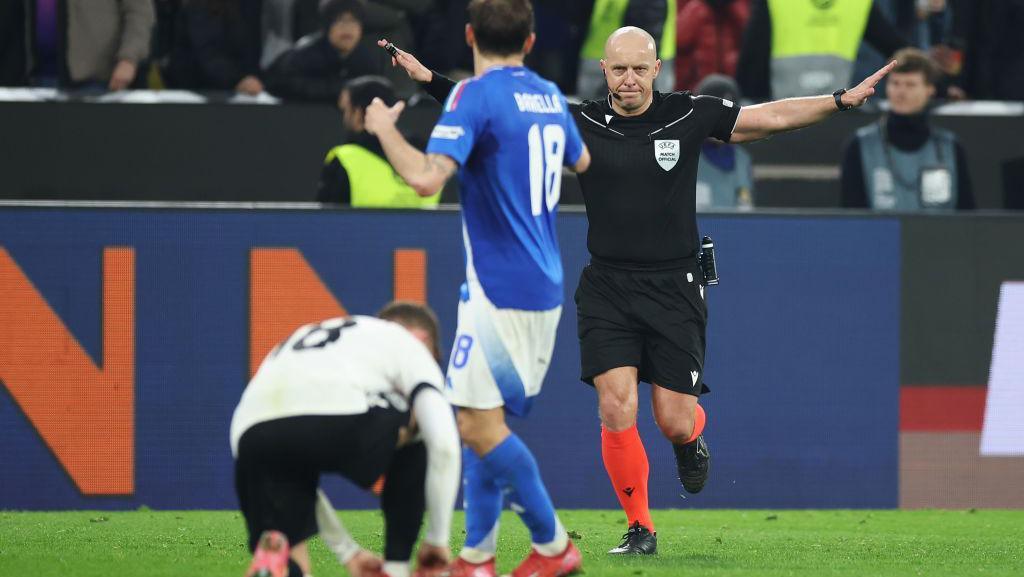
(425,173)
(763,120)
(437,428)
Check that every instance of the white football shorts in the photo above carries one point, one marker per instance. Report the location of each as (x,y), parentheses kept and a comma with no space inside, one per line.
(499,356)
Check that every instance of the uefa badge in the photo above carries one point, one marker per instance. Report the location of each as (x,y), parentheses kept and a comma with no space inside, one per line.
(666,152)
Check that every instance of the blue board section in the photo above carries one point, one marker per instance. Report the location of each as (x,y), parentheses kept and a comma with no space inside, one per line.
(802,359)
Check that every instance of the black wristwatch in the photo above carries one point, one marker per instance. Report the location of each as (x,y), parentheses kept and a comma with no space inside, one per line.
(838,95)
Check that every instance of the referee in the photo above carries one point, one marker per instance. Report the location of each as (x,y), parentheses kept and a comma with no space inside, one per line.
(640,302)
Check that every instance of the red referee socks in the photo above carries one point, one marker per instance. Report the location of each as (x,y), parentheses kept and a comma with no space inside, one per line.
(626,462)
(699,420)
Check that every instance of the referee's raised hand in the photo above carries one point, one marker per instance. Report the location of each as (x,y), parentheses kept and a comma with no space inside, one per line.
(412,66)
(763,120)
(858,95)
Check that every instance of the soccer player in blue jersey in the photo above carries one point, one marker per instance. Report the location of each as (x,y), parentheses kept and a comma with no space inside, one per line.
(508,132)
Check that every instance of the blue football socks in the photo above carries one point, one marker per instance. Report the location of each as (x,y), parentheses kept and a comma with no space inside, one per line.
(482,500)
(512,467)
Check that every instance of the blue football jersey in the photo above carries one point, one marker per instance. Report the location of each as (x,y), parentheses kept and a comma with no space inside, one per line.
(511,132)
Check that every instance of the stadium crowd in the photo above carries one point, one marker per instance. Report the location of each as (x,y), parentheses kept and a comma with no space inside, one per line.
(744,50)
(306,49)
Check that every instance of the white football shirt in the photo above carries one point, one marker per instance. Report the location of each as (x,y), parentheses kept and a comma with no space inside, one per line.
(340,366)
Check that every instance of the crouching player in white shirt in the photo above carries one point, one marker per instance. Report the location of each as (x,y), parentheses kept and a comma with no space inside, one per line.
(359,397)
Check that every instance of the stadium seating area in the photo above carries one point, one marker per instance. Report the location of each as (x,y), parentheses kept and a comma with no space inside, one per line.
(202,52)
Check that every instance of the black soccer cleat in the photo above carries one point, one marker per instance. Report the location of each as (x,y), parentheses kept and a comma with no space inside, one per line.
(693,461)
(638,540)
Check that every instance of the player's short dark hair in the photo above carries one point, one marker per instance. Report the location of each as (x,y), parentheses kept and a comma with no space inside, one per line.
(414,315)
(331,10)
(909,60)
(501,26)
(362,91)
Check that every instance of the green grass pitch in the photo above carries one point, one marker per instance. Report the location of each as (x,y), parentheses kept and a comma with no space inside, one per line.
(695,542)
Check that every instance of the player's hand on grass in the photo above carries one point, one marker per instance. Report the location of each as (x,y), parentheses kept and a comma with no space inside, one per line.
(380,116)
(432,560)
(364,564)
(412,66)
(858,95)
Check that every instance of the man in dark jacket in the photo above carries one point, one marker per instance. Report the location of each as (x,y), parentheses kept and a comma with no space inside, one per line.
(14,30)
(217,46)
(994,67)
(320,64)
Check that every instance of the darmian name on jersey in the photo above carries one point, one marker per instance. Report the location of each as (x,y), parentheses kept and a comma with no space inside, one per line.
(447,132)
(538,103)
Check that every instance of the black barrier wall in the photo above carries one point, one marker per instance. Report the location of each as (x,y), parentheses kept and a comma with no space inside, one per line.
(138,329)
(180,152)
(958,311)
(855,350)
(953,268)
(83,151)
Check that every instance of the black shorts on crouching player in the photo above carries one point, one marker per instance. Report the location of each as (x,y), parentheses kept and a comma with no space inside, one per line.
(654,320)
(279,464)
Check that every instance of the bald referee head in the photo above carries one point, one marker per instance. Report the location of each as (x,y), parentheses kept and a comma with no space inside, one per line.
(630,66)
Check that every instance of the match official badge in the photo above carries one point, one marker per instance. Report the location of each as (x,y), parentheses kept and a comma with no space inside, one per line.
(666,152)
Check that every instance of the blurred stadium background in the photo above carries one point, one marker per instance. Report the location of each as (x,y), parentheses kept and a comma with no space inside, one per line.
(159,235)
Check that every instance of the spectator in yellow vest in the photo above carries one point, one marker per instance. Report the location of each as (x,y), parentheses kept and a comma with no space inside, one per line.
(358,173)
(808,47)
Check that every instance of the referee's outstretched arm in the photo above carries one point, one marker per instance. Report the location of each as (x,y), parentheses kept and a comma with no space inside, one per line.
(763,120)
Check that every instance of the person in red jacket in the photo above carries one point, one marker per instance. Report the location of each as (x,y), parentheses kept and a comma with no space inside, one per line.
(708,36)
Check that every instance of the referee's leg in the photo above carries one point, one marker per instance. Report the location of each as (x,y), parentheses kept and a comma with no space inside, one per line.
(681,420)
(675,414)
(610,356)
(617,398)
(624,456)
(675,319)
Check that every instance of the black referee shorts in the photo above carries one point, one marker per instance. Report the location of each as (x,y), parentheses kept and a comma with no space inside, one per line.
(652,320)
(279,464)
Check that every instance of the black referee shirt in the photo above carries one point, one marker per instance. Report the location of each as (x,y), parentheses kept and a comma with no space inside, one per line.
(640,189)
